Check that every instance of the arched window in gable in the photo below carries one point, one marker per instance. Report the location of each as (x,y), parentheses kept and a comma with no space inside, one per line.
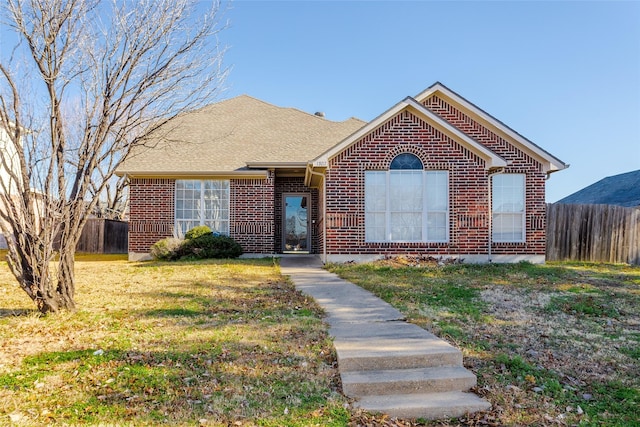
(407,203)
(406,161)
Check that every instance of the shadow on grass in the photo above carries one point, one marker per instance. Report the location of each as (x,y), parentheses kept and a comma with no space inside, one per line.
(263,262)
(18,312)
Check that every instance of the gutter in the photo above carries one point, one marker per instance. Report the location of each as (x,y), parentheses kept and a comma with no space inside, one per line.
(249,174)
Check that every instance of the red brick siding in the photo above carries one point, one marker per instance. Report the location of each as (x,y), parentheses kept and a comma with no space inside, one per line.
(152,213)
(252,214)
(520,162)
(296,185)
(468,187)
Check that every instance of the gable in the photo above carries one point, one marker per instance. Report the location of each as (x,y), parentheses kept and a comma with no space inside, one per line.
(483,127)
(490,158)
(465,123)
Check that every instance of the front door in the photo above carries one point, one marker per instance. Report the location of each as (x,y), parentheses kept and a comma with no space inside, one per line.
(295,223)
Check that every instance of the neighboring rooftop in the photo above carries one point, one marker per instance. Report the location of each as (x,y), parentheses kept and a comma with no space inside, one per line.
(620,190)
(228,135)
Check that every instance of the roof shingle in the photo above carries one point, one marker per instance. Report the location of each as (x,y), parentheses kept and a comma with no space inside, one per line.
(225,136)
(620,190)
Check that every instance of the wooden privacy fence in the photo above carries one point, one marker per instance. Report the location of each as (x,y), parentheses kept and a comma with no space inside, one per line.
(104,236)
(600,233)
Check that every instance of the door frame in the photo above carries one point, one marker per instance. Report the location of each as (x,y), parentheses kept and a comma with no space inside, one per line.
(284,223)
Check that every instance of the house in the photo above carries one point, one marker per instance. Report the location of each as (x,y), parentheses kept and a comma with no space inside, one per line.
(8,178)
(432,175)
(619,190)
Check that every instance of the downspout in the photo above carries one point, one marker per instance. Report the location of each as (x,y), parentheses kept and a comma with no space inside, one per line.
(324,212)
(490,203)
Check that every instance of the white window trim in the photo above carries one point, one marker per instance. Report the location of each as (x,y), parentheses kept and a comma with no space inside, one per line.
(425,211)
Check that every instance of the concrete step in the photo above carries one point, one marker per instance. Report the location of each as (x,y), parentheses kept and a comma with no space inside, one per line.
(395,354)
(390,345)
(404,381)
(426,405)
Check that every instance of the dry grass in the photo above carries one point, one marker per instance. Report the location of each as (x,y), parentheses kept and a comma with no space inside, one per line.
(232,343)
(202,343)
(555,344)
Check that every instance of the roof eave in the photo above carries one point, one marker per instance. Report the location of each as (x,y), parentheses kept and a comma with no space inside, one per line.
(549,161)
(276,165)
(492,159)
(240,174)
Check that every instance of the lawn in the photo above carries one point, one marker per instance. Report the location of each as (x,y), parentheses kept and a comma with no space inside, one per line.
(200,343)
(555,344)
(232,343)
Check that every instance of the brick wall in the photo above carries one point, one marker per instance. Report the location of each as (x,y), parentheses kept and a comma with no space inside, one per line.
(152,213)
(468,186)
(519,162)
(252,214)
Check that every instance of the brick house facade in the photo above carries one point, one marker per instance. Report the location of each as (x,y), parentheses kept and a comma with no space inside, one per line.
(433,175)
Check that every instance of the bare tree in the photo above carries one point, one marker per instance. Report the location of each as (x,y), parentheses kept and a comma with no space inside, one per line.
(86,82)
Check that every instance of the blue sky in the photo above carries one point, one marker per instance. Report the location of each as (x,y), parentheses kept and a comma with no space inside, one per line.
(565,74)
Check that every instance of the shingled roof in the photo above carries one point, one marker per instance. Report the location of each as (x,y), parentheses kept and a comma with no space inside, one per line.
(227,136)
(620,190)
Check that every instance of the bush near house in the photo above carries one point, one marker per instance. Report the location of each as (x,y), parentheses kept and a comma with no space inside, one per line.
(166,249)
(199,243)
(198,231)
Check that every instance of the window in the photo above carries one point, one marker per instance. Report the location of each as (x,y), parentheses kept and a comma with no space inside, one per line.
(202,203)
(406,203)
(508,220)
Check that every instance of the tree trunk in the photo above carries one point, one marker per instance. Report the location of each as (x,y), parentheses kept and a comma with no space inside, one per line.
(66,285)
(75,102)
(31,258)
(49,292)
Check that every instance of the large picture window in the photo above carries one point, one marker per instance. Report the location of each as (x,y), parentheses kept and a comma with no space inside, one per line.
(406,203)
(202,202)
(508,207)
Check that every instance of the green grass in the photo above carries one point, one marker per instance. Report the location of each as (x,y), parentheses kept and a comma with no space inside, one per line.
(544,340)
(226,342)
(186,343)
(584,305)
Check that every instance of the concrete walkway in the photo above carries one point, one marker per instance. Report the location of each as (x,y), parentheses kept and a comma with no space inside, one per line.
(386,364)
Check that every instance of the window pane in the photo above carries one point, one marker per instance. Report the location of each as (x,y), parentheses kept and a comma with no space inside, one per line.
(508,208)
(405,191)
(507,227)
(202,203)
(406,226)
(437,190)
(375,226)
(406,161)
(375,205)
(375,191)
(437,227)
(508,193)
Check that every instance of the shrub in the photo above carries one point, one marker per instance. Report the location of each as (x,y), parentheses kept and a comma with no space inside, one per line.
(166,249)
(210,246)
(199,243)
(197,231)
